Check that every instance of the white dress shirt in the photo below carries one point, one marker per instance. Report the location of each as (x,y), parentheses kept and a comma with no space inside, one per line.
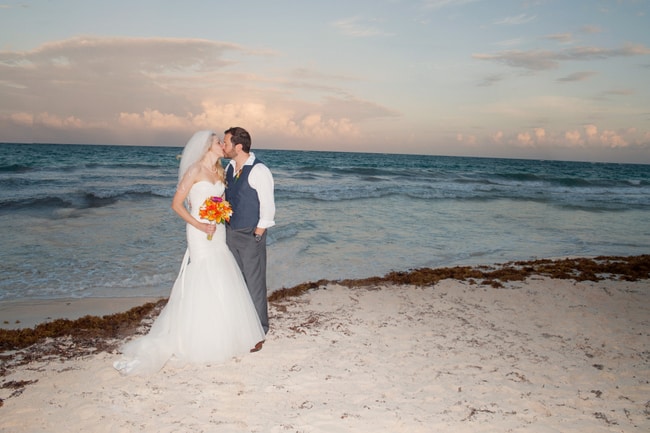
(261,180)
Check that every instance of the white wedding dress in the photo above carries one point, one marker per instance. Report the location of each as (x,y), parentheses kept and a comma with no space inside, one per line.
(210,316)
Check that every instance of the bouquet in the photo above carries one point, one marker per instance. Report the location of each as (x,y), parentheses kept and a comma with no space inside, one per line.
(216,210)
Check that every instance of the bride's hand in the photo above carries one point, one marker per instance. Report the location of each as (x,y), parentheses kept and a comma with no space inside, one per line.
(209,228)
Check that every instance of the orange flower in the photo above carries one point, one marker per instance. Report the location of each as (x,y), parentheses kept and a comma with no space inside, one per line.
(216,210)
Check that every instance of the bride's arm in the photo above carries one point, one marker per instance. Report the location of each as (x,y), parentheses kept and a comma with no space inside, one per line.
(178,202)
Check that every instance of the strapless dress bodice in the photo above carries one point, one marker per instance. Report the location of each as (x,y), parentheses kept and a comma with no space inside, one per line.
(202,190)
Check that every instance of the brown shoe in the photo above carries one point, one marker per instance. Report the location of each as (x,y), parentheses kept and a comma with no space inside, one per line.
(257,347)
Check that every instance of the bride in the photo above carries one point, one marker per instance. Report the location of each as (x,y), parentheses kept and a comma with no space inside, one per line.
(209,316)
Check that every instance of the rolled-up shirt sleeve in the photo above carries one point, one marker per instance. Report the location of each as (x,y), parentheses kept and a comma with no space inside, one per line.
(261,180)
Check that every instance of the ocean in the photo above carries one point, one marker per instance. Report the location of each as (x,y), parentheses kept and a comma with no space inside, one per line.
(82,221)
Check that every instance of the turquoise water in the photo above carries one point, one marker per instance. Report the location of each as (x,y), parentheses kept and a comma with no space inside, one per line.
(95,221)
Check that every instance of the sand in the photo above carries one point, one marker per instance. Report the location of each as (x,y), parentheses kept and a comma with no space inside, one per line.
(540,355)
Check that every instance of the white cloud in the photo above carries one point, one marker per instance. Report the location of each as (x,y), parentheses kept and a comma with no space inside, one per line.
(525,139)
(492,79)
(22,118)
(591,29)
(535,60)
(359,27)
(174,85)
(437,4)
(516,20)
(510,42)
(573,138)
(563,38)
(612,139)
(576,76)
(539,60)
(58,122)
(591,131)
(279,122)
(497,137)
(467,139)
(619,92)
(590,138)
(154,119)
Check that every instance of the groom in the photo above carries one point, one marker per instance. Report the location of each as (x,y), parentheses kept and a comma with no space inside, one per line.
(250,193)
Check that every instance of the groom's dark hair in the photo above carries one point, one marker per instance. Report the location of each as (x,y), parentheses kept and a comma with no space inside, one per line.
(240,136)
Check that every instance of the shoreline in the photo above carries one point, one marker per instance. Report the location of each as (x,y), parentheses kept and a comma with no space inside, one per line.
(28,313)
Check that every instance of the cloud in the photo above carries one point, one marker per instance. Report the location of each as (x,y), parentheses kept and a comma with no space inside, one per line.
(355,108)
(497,137)
(510,42)
(619,92)
(516,20)
(58,122)
(150,54)
(590,137)
(490,80)
(310,74)
(50,120)
(610,138)
(576,76)
(538,60)
(26,119)
(358,27)
(172,87)
(573,138)
(437,4)
(591,53)
(591,131)
(589,141)
(535,60)
(531,138)
(96,78)
(156,120)
(525,139)
(466,139)
(591,29)
(266,120)
(563,38)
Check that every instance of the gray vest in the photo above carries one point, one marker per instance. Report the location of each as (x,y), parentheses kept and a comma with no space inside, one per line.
(243,198)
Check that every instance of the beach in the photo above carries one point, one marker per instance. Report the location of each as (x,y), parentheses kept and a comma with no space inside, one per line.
(526,347)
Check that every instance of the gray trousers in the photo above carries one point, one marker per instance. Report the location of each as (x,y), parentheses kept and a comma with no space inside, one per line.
(251,258)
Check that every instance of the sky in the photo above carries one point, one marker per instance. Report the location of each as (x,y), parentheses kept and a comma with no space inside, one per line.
(536,79)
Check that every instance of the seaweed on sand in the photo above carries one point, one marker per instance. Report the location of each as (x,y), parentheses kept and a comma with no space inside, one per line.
(631,268)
